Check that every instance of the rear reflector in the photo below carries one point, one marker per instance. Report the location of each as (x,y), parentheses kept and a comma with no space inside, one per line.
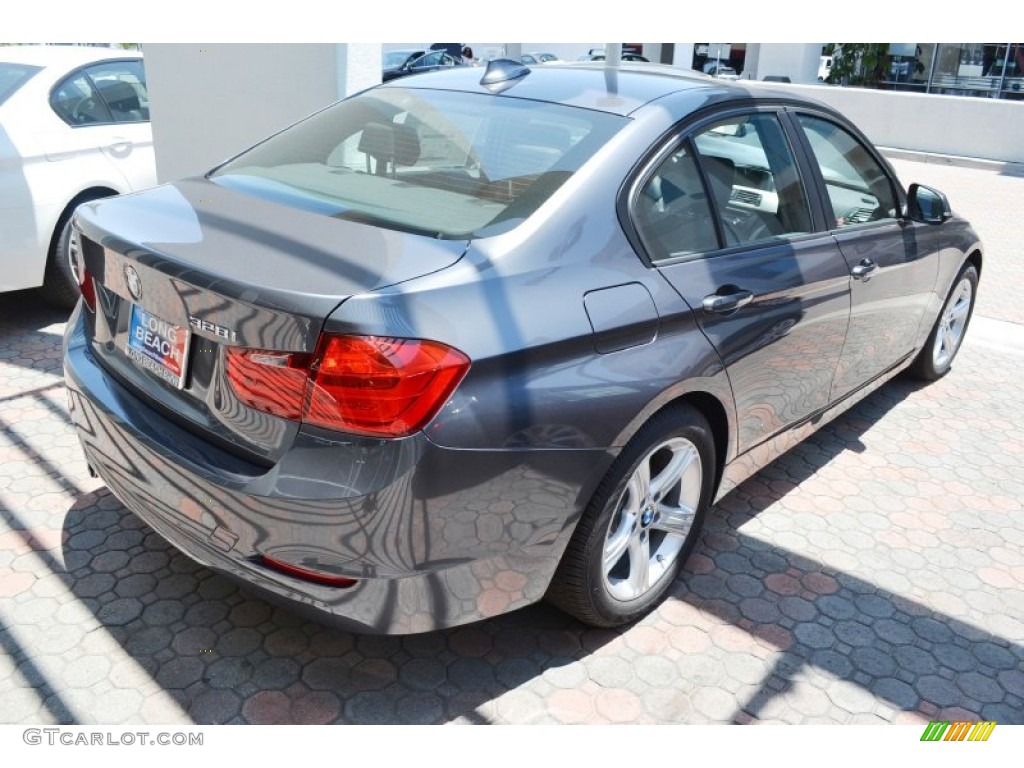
(82,276)
(318,577)
(88,289)
(368,385)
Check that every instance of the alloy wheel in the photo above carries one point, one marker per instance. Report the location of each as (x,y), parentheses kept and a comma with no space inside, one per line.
(654,517)
(952,325)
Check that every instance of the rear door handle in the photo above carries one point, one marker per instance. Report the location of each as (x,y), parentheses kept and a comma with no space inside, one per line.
(864,270)
(119,146)
(722,303)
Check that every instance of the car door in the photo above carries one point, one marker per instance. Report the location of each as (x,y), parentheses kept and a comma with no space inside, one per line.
(893,261)
(128,138)
(724,216)
(428,63)
(107,109)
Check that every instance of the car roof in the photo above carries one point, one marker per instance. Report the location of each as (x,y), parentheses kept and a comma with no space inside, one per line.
(62,56)
(592,85)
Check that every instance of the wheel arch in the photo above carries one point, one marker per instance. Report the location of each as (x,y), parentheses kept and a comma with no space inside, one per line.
(975,258)
(90,193)
(714,407)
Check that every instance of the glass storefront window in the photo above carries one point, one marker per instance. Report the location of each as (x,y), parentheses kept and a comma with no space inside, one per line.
(988,70)
(908,66)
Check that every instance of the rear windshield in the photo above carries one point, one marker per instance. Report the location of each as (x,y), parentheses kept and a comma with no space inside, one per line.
(12,77)
(447,164)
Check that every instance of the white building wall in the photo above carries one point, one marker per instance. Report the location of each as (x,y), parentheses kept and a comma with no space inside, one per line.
(799,62)
(947,125)
(211,101)
(682,55)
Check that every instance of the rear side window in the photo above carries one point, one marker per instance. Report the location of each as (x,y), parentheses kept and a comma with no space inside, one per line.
(858,187)
(76,102)
(122,85)
(12,77)
(672,213)
(447,164)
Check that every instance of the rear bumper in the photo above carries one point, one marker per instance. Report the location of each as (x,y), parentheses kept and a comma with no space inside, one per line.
(436,537)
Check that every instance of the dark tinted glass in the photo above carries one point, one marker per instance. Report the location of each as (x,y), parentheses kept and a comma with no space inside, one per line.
(444,163)
(672,211)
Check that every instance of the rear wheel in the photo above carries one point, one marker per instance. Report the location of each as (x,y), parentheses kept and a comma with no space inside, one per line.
(642,523)
(936,357)
(60,287)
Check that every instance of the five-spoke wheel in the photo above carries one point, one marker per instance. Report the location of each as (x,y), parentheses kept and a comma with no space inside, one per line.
(641,524)
(936,357)
(655,516)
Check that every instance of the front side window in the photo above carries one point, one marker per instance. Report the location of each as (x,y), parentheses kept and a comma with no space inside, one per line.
(753,179)
(443,163)
(859,189)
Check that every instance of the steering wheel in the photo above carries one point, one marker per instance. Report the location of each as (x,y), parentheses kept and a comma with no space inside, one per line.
(80,113)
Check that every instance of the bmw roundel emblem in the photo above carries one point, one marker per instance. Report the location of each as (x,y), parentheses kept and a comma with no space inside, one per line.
(134,282)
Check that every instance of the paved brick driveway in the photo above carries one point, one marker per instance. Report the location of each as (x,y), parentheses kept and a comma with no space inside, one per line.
(873,574)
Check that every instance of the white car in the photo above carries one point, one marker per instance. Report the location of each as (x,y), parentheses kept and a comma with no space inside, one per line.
(74,126)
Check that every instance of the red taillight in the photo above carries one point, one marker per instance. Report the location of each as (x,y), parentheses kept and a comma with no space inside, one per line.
(368,385)
(88,289)
(273,382)
(381,386)
(82,276)
(318,577)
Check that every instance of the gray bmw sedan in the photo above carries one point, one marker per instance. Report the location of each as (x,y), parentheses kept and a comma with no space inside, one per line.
(477,338)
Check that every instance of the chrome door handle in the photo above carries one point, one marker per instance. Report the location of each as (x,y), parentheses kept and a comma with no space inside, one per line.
(864,270)
(721,303)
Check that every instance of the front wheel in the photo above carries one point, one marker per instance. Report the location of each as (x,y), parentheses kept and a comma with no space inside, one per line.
(936,357)
(642,523)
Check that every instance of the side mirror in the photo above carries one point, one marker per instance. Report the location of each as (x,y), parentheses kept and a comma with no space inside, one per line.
(927,205)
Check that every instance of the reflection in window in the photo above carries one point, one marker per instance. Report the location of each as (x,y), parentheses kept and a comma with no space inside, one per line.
(753,179)
(672,211)
(859,189)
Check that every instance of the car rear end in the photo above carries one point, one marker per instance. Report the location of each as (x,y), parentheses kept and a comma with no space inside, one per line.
(223,394)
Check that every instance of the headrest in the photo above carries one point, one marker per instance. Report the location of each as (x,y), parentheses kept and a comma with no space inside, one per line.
(390,142)
(118,95)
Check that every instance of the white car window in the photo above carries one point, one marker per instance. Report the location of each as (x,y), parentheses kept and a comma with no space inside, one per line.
(76,102)
(122,84)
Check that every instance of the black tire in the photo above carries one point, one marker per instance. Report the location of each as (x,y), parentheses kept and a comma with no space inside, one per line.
(931,363)
(584,585)
(60,288)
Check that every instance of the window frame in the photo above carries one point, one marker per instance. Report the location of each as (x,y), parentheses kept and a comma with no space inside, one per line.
(684,131)
(83,70)
(824,200)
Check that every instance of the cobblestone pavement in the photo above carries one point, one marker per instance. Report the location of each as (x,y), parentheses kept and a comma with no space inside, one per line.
(873,574)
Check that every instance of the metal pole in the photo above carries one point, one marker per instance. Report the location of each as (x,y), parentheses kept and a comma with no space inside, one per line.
(931,69)
(1002,79)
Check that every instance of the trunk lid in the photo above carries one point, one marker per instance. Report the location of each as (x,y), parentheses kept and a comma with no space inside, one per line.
(231,270)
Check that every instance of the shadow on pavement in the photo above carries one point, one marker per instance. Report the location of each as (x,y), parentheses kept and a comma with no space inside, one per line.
(226,657)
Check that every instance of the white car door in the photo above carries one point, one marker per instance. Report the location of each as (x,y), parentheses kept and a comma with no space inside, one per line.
(128,139)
